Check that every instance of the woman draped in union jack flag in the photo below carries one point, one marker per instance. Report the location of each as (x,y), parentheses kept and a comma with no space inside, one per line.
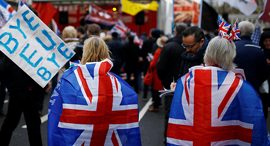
(213,106)
(91,106)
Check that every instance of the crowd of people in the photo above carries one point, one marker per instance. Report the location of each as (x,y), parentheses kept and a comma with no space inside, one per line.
(168,58)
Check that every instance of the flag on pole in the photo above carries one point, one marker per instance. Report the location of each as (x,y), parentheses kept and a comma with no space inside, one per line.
(247,7)
(21,3)
(265,15)
(45,10)
(101,16)
(6,10)
(91,106)
(235,33)
(209,20)
(223,29)
(213,107)
(134,8)
(255,37)
(186,11)
(55,28)
(120,28)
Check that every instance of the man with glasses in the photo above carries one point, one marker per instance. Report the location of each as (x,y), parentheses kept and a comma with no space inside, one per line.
(195,43)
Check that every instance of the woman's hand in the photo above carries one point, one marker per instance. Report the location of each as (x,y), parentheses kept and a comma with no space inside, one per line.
(268,61)
(173,85)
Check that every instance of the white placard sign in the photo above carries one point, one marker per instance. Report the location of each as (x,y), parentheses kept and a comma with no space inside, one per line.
(33,46)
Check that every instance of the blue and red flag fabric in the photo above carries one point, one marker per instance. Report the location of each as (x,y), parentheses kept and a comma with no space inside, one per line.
(6,10)
(223,29)
(255,37)
(214,107)
(91,106)
(21,3)
(235,33)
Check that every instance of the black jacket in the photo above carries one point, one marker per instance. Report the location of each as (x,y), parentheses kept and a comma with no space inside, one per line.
(79,50)
(131,56)
(14,77)
(169,61)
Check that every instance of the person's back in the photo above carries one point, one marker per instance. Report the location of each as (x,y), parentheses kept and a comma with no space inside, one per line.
(170,59)
(251,58)
(115,46)
(24,94)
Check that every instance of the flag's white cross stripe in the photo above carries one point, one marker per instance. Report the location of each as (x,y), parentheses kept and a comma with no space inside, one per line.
(216,101)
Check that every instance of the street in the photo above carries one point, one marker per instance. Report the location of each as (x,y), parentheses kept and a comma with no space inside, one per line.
(151,124)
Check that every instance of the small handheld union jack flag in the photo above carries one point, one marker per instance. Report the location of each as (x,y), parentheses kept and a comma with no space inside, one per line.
(235,33)
(223,29)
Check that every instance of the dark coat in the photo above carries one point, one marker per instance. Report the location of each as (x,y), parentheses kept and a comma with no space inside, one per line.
(251,58)
(131,56)
(79,50)
(169,62)
(115,46)
(15,78)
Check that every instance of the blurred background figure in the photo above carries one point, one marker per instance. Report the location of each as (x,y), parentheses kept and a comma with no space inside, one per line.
(156,84)
(251,58)
(265,45)
(147,48)
(80,32)
(131,59)
(115,46)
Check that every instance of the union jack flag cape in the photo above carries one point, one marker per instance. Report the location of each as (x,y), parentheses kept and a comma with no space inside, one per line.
(91,106)
(213,107)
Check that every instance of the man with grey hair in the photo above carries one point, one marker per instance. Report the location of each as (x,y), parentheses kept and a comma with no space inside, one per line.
(251,58)
(168,65)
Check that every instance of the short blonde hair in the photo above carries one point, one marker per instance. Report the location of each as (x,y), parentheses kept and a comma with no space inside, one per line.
(220,52)
(94,50)
(69,32)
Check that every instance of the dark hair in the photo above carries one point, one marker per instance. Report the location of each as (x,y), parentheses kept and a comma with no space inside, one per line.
(179,28)
(130,38)
(34,11)
(264,35)
(94,29)
(194,30)
(114,34)
(80,29)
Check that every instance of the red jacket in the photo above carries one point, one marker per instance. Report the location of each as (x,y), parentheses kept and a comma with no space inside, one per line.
(156,85)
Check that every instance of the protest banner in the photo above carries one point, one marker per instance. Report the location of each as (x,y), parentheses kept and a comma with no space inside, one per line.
(33,46)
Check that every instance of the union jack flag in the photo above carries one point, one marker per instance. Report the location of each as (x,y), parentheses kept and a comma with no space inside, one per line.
(138,41)
(223,29)
(235,33)
(91,106)
(6,10)
(213,107)
(186,11)
(120,28)
(21,3)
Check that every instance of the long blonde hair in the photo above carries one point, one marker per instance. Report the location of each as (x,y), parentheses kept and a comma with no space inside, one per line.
(94,50)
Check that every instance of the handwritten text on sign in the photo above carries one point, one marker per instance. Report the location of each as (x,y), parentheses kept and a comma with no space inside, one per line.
(34,47)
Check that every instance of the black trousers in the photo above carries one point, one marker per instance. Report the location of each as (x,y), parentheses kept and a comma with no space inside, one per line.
(168,102)
(22,102)
(156,98)
(135,83)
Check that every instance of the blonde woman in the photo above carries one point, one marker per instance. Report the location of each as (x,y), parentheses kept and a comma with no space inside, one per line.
(91,106)
(69,36)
